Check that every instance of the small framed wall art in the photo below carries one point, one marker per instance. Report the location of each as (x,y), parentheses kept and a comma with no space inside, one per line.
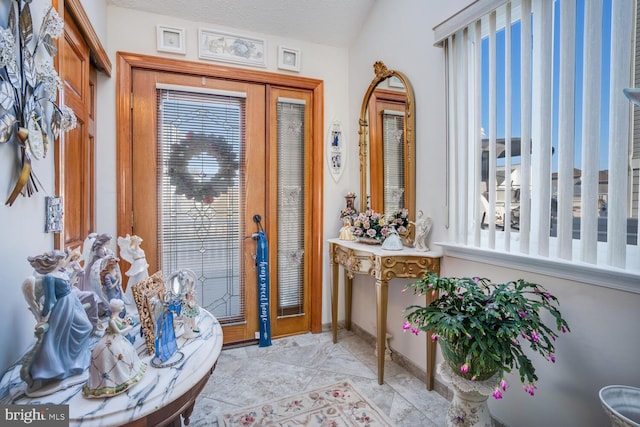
(288,58)
(170,39)
(225,47)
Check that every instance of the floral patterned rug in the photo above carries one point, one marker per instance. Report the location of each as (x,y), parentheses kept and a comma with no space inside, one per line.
(339,405)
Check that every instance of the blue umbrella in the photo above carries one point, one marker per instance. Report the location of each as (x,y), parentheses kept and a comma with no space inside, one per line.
(262,261)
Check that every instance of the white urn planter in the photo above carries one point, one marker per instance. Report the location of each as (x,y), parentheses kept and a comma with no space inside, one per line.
(469,405)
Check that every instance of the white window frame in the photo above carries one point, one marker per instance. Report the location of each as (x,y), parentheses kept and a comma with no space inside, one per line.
(613,263)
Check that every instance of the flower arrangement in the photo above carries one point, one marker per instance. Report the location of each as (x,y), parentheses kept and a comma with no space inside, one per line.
(28,88)
(399,220)
(370,225)
(483,326)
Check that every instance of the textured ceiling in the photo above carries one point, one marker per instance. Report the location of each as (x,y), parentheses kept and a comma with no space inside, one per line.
(330,22)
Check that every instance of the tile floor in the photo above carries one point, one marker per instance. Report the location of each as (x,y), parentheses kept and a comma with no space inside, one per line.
(252,375)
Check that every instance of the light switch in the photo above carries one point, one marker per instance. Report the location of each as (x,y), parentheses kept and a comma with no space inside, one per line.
(53,215)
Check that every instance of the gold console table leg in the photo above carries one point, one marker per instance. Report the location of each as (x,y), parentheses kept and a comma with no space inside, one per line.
(382,297)
(334,298)
(348,301)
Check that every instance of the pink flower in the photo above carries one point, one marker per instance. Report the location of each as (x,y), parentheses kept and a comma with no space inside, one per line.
(552,357)
(415,331)
(464,368)
(434,337)
(564,329)
(503,384)
(534,336)
(530,388)
(406,325)
(497,393)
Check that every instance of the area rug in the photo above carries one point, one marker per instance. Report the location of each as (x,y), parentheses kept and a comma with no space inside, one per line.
(339,405)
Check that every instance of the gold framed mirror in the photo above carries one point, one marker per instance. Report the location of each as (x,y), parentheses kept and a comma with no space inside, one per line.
(387,143)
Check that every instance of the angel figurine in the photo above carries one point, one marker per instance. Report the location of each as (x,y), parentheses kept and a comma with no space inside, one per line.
(131,252)
(423,226)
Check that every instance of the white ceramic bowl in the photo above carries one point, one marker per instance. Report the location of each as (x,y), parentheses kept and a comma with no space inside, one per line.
(633,94)
(622,404)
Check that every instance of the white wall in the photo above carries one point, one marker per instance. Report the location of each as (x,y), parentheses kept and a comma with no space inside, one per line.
(96,11)
(604,343)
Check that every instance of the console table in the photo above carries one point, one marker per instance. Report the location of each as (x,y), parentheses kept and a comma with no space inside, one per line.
(384,265)
(161,398)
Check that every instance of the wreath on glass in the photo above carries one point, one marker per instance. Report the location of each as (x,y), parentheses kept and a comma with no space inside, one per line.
(202,186)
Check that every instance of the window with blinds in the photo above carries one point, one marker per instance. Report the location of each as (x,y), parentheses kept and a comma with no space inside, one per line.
(540,146)
(393,147)
(291,214)
(200,153)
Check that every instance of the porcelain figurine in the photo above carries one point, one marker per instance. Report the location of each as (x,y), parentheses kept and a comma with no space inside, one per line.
(98,251)
(190,313)
(165,343)
(89,299)
(115,365)
(131,252)
(93,266)
(423,226)
(63,329)
(111,280)
(392,242)
(345,231)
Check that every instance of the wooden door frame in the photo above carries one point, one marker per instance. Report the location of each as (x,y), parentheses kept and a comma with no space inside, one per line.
(73,10)
(127,62)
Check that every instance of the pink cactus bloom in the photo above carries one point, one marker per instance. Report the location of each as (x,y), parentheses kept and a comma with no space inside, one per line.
(534,336)
(497,393)
(464,368)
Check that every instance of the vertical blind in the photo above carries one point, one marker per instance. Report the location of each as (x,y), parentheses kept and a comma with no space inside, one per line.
(393,147)
(201,158)
(291,214)
(540,137)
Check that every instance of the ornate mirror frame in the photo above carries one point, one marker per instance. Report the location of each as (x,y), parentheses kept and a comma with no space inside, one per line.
(381,74)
